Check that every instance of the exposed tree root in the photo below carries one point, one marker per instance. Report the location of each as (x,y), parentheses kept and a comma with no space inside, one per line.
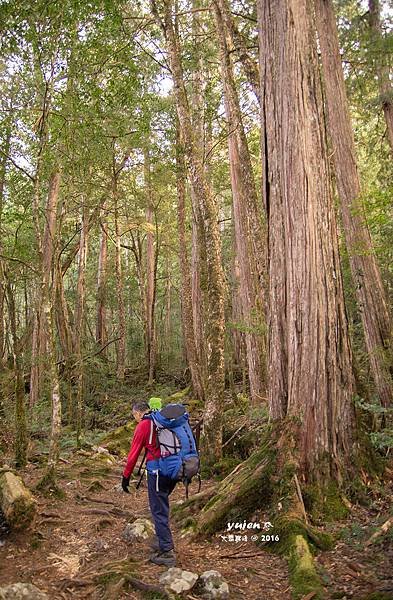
(117,575)
(303,576)
(246,488)
(48,485)
(268,480)
(181,511)
(383,529)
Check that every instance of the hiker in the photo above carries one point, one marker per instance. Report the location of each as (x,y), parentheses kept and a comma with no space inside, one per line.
(159,487)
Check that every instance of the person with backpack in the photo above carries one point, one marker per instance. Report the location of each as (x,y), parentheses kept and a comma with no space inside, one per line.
(159,487)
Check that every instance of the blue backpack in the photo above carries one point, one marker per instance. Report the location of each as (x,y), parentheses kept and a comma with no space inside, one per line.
(179,455)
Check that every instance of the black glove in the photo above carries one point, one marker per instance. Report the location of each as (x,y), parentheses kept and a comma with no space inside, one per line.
(125,482)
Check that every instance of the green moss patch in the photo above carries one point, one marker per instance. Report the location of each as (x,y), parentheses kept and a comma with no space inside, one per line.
(303,576)
(118,441)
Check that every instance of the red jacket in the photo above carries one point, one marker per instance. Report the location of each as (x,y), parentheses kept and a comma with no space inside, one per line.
(144,437)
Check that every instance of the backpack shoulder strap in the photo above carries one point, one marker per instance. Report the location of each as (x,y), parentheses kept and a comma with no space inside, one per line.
(151,431)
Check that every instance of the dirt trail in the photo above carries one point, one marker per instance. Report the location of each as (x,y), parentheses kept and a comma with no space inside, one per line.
(74,539)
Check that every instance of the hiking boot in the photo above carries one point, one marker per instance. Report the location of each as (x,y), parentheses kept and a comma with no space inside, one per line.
(167,558)
(154,543)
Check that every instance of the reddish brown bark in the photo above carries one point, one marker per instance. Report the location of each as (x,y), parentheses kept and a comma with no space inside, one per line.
(370,293)
(310,362)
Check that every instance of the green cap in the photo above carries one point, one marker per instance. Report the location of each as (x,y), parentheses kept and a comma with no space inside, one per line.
(155,403)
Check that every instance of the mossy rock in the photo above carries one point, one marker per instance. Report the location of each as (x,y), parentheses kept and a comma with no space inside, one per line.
(118,441)
(99,459)
(16,501)
(177,396)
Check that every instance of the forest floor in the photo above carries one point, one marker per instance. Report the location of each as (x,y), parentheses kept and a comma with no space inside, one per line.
(75,539)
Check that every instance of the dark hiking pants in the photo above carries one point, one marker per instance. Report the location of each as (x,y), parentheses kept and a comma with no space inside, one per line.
(159,507)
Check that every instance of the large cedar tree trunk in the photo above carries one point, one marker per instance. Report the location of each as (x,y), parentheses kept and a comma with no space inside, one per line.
(310,363)
(365,272)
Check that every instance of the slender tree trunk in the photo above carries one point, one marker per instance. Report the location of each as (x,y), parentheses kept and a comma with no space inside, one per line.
(55,398)
(185,277)
(198,252)
(3,171)
(121,343)
(371,296)
(249,232)
(382,68)
(168,308)
(151,350)
(237,43)
(65,339)
(20,409)
(137,251)
(101,328)
(63,317)
(196,294)
(236,305)
(48,297)
(215,287)
(310,362)
(35,369)
(94,216)
(79,320)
